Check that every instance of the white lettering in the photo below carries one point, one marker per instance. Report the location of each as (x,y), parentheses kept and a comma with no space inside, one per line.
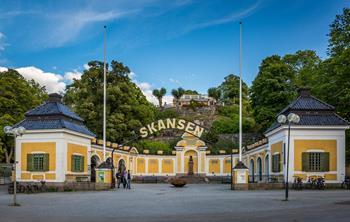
(181,124)
(143,132)
(170,123)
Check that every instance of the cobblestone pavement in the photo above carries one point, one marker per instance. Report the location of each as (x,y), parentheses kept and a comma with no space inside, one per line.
(196,202)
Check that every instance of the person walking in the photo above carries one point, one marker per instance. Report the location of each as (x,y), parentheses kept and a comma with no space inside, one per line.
(129,179)
(118,176)
(124,179)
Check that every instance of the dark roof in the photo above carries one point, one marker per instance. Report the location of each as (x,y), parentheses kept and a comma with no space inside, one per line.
(53,106)
(312,112)
(54,115)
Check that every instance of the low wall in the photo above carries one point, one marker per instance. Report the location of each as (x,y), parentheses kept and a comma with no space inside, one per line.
(72,186)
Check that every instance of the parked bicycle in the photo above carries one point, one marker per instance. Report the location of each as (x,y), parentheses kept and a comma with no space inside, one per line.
(298,183)
(317,183)
(346,183)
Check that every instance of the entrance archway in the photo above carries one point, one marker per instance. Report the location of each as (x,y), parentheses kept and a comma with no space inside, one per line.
(188,155)
(121,165)
(95,161)
(267,165)
(251,170)
(259,168)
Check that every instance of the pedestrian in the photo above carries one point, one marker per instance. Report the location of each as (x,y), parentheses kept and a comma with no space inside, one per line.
(129,179)
(118,176)
(124,179)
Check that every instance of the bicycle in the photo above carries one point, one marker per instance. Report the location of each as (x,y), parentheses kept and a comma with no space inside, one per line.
(298,183)
(346,183)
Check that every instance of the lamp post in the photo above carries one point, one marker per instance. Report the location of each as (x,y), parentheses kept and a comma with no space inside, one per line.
(282,119)
(14,132)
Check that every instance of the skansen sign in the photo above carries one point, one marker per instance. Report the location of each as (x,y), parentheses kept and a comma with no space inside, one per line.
(172,123)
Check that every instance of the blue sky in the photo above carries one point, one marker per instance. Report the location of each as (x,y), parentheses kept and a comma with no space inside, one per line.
(166,43)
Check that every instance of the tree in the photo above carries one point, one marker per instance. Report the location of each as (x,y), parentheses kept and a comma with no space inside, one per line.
(339,36)
(159,93)
(272,90)
(191,92)
(17,96)
(305,65)
(215,93)
(230,90)
(177,93)
(127,107)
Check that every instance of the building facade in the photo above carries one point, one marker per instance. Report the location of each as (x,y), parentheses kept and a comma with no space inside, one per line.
(57,147)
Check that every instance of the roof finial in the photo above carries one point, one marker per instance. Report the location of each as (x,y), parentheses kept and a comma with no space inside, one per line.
(304,92)
(54,97)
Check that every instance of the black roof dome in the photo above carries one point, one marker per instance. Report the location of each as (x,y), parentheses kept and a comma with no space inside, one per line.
(312,112)
(53,114)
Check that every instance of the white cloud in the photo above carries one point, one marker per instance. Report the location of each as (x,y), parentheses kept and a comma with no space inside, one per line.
(132,75)
(3,69)
(174,81)
(69,25)
(86,66)
(229,18)
(3,44)
(53,82)
(147,90)
(70,76)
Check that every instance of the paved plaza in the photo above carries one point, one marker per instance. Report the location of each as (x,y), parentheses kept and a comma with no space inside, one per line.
(161,202)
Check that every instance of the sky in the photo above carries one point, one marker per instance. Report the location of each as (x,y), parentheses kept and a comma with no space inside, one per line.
(192,44)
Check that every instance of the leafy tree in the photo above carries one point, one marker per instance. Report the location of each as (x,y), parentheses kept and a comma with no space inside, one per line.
(191,92)
(127,107)
(230,90)
(339,36)
(159,93)
(177,93)
(305,65)
(17,96)
(272,90)
(215,93)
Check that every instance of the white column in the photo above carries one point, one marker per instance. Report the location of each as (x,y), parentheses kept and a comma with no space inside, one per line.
(160,165)
(221,166)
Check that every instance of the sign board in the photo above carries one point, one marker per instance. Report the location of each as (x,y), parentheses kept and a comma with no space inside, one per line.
(172,123)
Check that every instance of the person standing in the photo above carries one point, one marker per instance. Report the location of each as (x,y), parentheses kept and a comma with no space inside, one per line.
(124,179)
(129,179)
(118,179)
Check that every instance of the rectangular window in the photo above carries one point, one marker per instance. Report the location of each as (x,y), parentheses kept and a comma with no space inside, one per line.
(276,165)
(315,161)
(38,162)
(77,163)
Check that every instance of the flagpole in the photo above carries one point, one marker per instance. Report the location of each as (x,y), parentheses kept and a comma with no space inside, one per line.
(104,96)
(240,92)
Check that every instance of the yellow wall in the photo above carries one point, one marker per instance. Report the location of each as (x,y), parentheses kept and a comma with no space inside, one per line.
(153,166)
(277,147)
(167,166)
(227,165)
(45,147)
(301,146)
(141,165)
(195,161)
(202,154)
(78,149)
(178,157)
(214,166)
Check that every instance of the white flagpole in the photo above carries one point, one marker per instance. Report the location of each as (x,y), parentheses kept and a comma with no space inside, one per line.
(104,96)
(240,92)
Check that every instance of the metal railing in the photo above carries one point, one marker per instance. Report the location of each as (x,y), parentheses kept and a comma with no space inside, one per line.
(5,173)
(265,179)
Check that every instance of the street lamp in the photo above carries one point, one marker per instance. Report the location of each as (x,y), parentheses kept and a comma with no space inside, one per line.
(282,119)
(14,132)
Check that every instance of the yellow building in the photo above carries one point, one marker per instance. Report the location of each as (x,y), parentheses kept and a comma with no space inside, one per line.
(57,147)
